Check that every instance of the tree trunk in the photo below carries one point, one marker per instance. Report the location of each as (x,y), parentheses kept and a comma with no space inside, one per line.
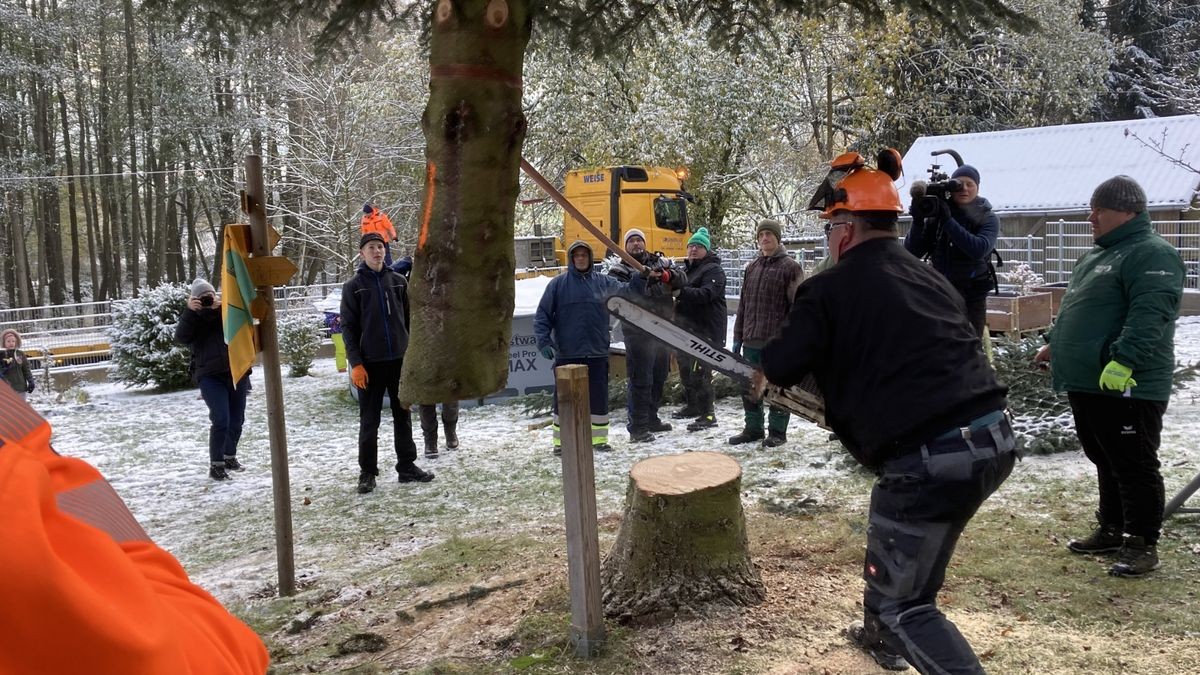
(135,220)
(72,206)
(682,541)
(462,292)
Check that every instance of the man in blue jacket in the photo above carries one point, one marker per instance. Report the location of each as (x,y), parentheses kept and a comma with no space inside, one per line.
(571,326)
(375,328)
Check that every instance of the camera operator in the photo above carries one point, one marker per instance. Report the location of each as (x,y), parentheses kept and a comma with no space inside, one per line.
(958,236)
(200,329)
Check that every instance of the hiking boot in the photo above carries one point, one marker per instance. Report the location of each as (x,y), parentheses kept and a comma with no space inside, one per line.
(558,451)
(1104,539)
(601,447)
(746,436)
(451,437)
(658,426)
(641,437)
(774,440)
(431,449)
(685,413)
(217,472)
(1136,558)
(366,483)
(703,422)
(411,473)
(877,649)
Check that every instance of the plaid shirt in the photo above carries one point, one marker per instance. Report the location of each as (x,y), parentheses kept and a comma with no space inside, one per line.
(768,288)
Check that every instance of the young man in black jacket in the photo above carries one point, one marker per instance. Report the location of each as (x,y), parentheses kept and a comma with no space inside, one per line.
(700,307)
(200,329)
(909,392)
(375,327)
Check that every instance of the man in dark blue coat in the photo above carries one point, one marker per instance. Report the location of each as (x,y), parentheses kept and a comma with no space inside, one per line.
(375,327)
(571,326)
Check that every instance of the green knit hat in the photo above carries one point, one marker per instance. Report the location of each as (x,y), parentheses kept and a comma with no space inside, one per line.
(701,237)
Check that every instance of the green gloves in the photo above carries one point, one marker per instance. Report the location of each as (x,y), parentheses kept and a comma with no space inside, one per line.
(1116,377)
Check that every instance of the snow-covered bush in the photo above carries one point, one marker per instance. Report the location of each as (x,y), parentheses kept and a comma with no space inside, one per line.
(1022,278)
(299,340)
(1041,416)
(142,339)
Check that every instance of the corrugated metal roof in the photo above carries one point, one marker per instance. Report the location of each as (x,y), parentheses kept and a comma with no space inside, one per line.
(1055,169)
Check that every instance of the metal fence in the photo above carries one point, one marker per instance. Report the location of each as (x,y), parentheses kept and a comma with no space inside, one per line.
(1067,240)
(76,336)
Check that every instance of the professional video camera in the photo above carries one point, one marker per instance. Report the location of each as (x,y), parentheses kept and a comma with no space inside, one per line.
(925,194)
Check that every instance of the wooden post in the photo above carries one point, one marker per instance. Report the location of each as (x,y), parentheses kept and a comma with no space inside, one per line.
(269,343)
(579,495)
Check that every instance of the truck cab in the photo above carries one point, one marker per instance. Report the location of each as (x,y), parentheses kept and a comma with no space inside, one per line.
(621,198)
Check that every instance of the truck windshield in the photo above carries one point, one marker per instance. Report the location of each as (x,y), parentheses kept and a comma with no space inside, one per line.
(670,213)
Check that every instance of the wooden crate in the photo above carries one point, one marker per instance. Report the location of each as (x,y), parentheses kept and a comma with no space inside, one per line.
(1014,314)
(1056,295)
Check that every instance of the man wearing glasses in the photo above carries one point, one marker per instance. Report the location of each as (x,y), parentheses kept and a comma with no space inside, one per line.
(909,392)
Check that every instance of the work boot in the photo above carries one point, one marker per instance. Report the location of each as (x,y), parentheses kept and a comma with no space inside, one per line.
(642,436)
(685,413)
(703,422)
(774,439)
(601,447)
(746,436)
(217,472)
(1136,558)
(366,482)
(411,473)
(884,655)
(451,436)
(1104,539)
(659,426)
(231,464)
(431,449)
(558,451)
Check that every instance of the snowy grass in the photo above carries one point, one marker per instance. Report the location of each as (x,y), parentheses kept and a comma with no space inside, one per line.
(496,510)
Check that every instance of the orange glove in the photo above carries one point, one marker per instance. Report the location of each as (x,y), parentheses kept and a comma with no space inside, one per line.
(358,375)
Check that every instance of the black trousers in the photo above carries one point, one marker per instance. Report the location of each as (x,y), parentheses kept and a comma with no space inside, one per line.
(429,426)
(383,377)
(1121,437)
(696,379)
(920,505)
(647,362)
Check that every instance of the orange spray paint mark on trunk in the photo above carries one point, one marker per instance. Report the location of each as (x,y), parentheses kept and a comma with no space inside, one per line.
(430,174)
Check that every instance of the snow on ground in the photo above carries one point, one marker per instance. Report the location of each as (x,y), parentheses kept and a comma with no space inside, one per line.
(504,479)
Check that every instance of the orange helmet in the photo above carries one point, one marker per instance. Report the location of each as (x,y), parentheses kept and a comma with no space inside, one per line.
(853,186)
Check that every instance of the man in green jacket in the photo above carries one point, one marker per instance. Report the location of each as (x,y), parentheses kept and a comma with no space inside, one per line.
(1114,354)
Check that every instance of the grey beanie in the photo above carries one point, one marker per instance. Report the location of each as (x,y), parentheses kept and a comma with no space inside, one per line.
(200,287)
(771,226)
(1120,193)
(633,233)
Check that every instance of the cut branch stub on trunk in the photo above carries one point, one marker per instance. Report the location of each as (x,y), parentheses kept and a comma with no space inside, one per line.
(462,279)
(682,542)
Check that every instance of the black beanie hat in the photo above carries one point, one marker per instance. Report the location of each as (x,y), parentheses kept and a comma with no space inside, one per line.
(370,236)
(1120,193)
(968,171)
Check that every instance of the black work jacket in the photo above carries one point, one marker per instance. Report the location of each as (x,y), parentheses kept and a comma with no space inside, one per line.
(375,315)
(202,332)
(656,297)
(887,338)
(700,306)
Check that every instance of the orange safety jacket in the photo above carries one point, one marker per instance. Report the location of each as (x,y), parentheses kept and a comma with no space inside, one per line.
(378,221)
(83,588)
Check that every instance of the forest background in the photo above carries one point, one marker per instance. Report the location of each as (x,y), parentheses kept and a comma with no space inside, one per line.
(122,130)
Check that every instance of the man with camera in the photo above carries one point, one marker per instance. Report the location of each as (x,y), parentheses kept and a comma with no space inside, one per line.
(646,359)
(911,395)
(1117,320)
(375,327)
(956,229)
(200,329)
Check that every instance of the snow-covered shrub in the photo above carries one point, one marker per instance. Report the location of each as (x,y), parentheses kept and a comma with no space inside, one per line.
(1022,278)
(142,339)
(1041,416)
(299,339)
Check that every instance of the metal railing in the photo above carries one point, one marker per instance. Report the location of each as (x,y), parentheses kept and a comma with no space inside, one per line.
(1067,240)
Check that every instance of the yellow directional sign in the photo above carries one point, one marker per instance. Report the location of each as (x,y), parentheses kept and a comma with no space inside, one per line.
(273,238)
(271,270)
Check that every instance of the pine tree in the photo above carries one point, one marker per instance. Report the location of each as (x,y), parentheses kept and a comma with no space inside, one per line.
(142,339)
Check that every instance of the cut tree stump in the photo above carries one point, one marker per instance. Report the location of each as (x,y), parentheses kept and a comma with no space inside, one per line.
(682,541)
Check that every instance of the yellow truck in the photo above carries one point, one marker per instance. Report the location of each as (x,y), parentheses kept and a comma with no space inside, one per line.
(621,198)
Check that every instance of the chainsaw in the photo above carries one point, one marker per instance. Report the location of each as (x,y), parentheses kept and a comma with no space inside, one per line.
(804,400)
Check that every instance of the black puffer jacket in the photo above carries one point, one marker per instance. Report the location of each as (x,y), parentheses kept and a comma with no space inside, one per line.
(656,297)
(959,246)
(375,315)
(202,332)
(701,306)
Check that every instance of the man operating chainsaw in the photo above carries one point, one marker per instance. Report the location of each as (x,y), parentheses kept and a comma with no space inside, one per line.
(908,390)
